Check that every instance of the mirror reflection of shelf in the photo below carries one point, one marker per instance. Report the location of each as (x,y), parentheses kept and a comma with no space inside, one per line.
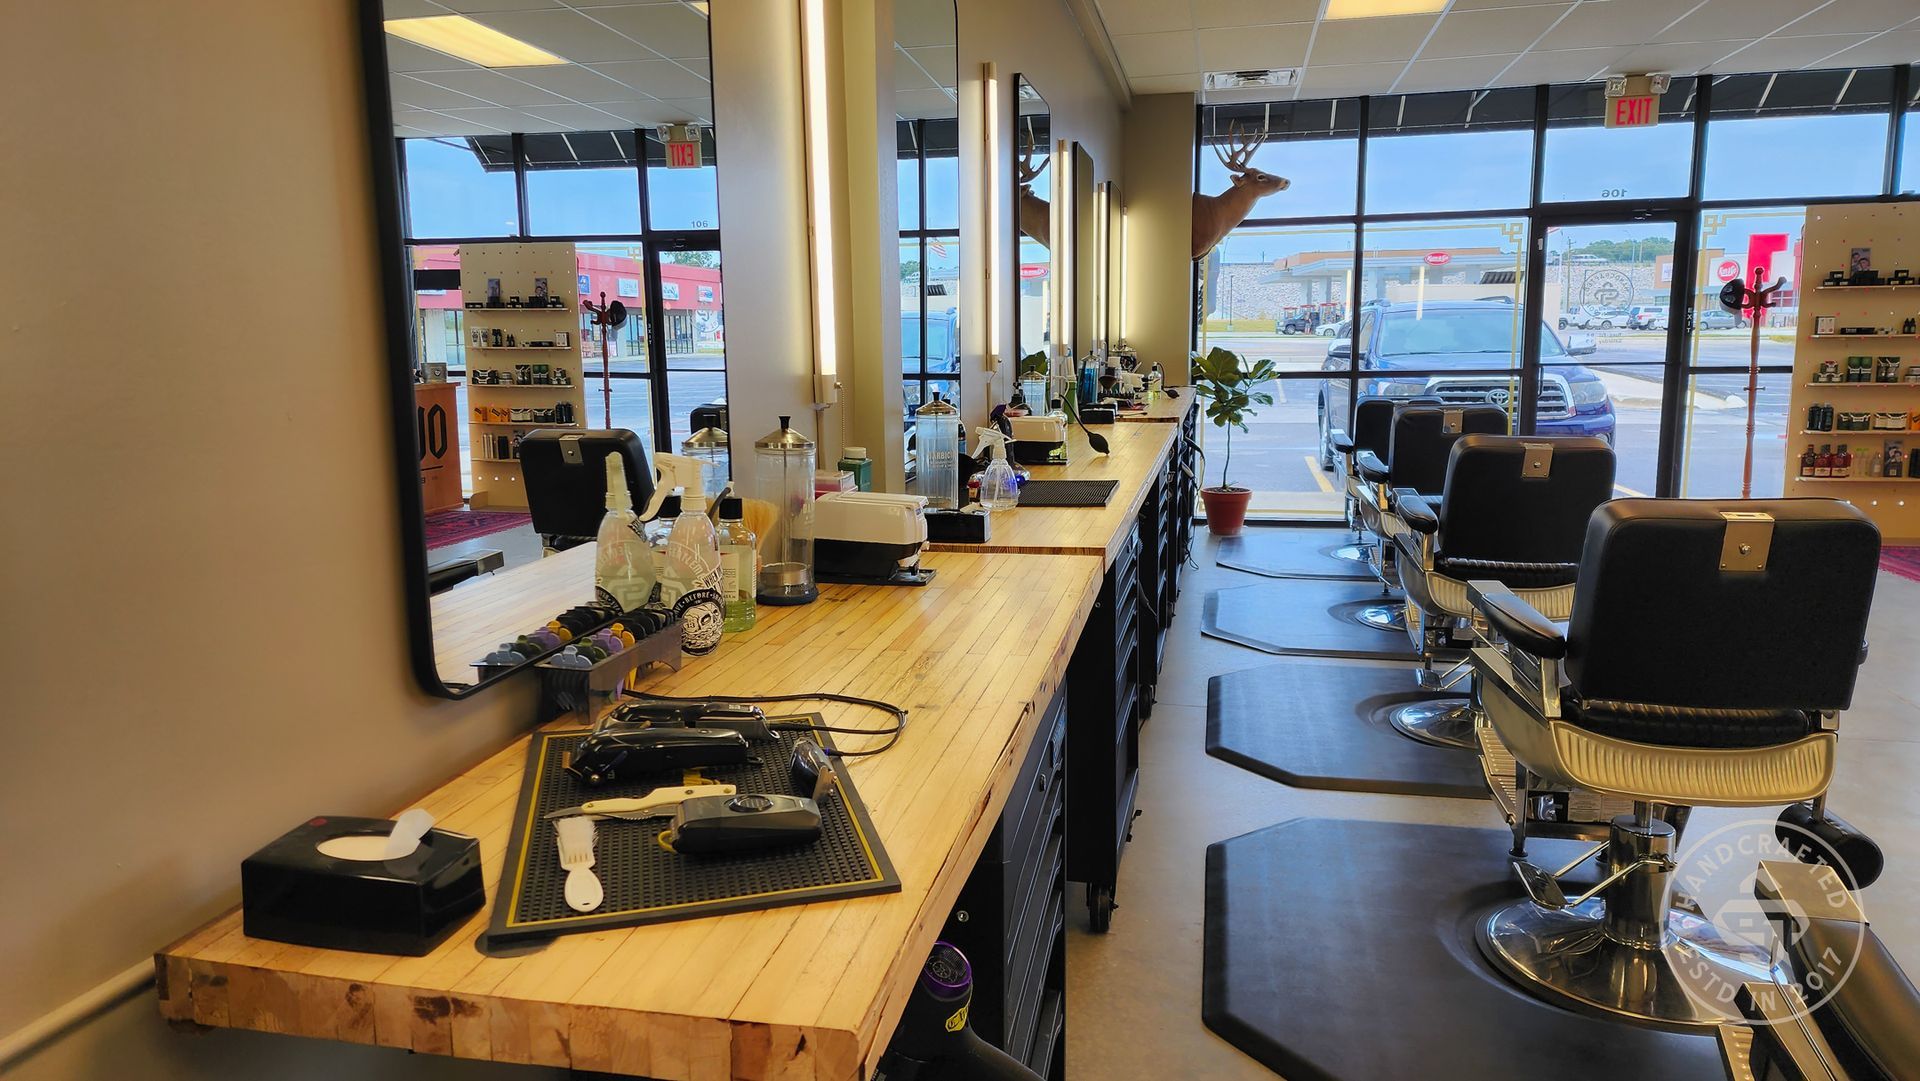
(521,386)
(497,461)
(1882,386)
(520,424)
(1849,337)
(1854,480)
(538,311)
(1841,288)
(518,348)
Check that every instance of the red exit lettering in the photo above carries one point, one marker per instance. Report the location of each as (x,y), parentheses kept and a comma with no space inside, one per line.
(1634,112)
(683,155)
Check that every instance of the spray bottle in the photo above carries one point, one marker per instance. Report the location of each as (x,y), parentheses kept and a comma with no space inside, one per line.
(623,567)
(674,471)
(999,489)
(690,576)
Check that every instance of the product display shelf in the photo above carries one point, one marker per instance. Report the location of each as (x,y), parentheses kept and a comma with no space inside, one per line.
(496,477)
(1834,236)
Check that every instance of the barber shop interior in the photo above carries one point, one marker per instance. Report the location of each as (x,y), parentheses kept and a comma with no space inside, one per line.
(1041,539)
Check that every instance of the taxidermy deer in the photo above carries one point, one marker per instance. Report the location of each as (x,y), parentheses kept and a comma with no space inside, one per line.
(1214,216)
(1036,216)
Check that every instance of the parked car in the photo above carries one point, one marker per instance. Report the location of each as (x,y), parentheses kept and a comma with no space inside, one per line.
(1644,316)
(1593,316)
(1426,341)
(943,341)
(1295,324)
(1333,330)
(1720,319)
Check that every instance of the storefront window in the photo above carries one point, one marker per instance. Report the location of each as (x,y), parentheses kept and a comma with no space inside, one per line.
(1470,150)
(929,260)
(1587,161)
(1315,145)
(1798,134)
(582,182)
(1909,180)
(460,187)
(682,198)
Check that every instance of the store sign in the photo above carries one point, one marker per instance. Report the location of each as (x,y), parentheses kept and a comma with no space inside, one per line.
(670,290)
(1638,111)
(586,285)
(628,287)
(1032,272)
(1727,270)
(706,294)
(683,155)
(1438,258)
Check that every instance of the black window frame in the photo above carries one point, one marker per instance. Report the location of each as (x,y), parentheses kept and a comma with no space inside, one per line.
(910,138)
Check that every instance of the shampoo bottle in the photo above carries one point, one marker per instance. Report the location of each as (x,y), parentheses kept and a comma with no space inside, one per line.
(739,567)
(690,576)
(623,568)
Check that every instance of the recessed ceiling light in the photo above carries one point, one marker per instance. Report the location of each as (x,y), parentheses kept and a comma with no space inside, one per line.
(457,35)
(1250,80)
(1374,9)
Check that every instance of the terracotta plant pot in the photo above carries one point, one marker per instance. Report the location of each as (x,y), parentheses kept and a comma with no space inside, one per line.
(1226,509)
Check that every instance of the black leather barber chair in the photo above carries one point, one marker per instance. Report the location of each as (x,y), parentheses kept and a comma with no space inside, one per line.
(1371,430)
(1419,439)
(1710,648)
(565,472)
(1514,510)
(1840,1009)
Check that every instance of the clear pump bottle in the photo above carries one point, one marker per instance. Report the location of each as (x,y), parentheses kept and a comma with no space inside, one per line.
(623,565)
(739,567)
(690,577)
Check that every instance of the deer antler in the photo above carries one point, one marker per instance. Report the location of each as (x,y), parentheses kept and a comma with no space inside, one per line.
(1240,158)
(1026,172)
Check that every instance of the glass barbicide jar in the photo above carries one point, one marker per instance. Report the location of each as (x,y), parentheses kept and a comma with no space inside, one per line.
(783,463)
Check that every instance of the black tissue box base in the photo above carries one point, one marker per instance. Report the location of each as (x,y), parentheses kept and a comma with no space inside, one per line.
(1097,414)
(958,527)
(290,892)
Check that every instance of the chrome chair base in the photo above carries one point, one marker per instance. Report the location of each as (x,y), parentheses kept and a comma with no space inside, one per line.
(1448,722)
(1565,956)
(1390,616)
(1357,552)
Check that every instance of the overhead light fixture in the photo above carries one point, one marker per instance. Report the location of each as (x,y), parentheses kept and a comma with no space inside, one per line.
(476,43)
(1375,9)
(1257,78)
(826,303)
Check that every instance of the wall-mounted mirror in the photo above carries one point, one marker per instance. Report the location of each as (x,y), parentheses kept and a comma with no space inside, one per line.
(926,77)
(1032,196)
(535,167)
(1089,271)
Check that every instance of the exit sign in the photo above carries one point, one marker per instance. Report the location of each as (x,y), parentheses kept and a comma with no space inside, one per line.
(683,155)
(1639,111)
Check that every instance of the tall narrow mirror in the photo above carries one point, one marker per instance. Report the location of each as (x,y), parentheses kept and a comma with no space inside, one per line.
(1088,269)
(926,76)
(538,165)
(1032,197)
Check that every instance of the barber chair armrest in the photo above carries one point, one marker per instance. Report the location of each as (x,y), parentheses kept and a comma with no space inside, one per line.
(1370,467)
(1416,511)
(1517,621)
(1340,441)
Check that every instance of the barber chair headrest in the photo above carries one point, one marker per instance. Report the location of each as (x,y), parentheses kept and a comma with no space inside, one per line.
(1677,605)
(1423,435)
(1523,498)
(566,477)
(1373,422)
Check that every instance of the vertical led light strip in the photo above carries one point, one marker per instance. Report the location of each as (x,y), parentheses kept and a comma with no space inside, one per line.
(996,304)
(1068,287)
(1124,321)
(1100,198)
(826,311)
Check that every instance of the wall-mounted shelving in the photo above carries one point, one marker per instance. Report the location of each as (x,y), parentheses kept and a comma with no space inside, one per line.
(496,478)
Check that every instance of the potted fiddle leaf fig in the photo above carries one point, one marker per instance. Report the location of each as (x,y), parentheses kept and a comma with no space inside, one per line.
(1230,386)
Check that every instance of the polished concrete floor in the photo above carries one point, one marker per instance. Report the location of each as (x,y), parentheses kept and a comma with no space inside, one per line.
(1134,1005)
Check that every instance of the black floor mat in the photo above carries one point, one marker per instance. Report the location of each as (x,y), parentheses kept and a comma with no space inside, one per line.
(1067,493)
(1296,553)
(1313,724)
(1344,951)
(1306,617)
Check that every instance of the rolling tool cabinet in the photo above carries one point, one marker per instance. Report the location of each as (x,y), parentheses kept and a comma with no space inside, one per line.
(1103,734)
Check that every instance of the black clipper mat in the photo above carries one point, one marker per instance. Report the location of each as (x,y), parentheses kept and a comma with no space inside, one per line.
(1296,553)
(1313,724)
(1345,951)
(646,882)
(1067,493)
(1307,617)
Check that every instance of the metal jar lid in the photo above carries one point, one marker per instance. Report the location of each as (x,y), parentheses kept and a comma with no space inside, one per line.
(784,439)
(706,439)
(937,407)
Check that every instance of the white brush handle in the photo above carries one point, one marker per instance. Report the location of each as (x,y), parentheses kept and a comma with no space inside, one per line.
(583,891)
(659,799)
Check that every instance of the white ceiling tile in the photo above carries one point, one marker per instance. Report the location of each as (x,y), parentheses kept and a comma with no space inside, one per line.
(660,78)
(566,34)
(574,117)
(1254,47)
(419,95)
(1899,47)
(1718,20)
(941,62)
(406,56)
(411,9)
(668,29)
(1157,54)
(1144,16)
(1559,66)
(492,117)
(923,104)
(1462,73)
(1783,53)
(646,114)
(1367,41)
(1615,22)
(445,124)
(468,7)
(1336,80)
(700,109)
(573,82)
(493,86)
(907,75)
(1165,84)
(1482,5)
(922,23)
(1678,58)
(1490,33)
(1253,12)
(1865,17)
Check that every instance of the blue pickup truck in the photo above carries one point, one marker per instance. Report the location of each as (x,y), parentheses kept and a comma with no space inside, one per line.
(1411,351)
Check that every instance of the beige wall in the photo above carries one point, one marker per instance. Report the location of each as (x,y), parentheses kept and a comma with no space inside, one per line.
(1159,195)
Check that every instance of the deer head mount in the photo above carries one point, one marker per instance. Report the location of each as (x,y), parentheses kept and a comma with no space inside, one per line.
(1214,216)
(1036,215)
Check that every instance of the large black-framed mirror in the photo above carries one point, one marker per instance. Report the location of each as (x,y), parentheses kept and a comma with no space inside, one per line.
(1089,269)
(529,167)
(1032,197)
